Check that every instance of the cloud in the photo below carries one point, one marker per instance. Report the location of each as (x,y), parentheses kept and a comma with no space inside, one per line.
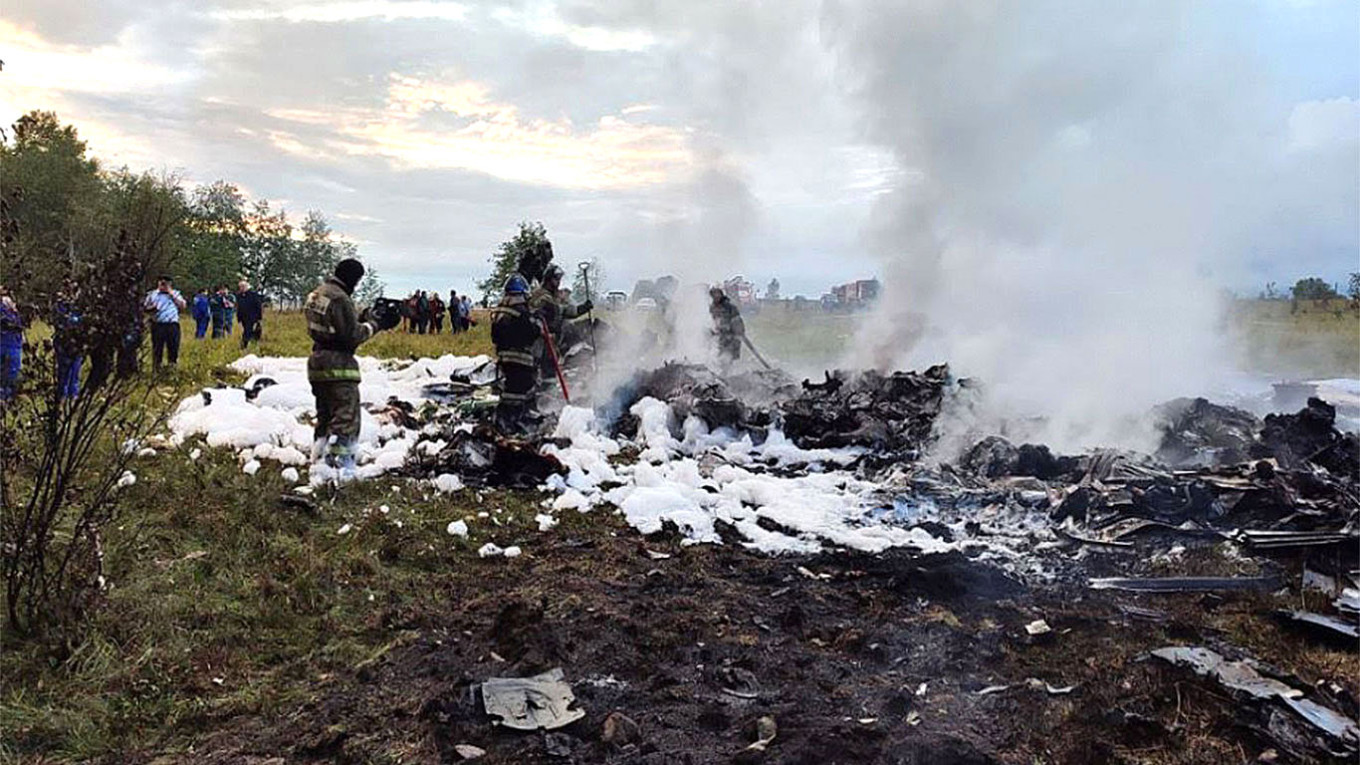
(347,10)
(35,67)
(1323,125)
(458,124)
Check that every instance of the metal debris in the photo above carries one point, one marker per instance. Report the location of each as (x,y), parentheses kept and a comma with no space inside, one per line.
(1335,734)
(1330,626)
(1175,584)
(531,703)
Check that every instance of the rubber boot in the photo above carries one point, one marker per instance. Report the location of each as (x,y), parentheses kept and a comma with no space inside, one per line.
(341,457)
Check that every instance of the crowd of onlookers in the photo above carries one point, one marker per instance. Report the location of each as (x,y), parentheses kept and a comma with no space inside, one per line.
(216,313)
(219,310)
(158,312)
(425,313)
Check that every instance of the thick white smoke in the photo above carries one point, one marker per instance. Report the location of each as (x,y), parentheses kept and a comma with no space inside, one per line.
(1078,180)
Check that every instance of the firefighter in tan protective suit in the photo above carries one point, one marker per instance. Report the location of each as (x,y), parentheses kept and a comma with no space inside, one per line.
(337,330)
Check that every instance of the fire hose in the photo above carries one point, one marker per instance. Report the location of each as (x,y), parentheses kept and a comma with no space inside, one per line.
(552,354)
(755,352)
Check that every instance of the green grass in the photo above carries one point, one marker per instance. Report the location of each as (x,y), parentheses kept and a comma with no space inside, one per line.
(1317,340)
(222,602)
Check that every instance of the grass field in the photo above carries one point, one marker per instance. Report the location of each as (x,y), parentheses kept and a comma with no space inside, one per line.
(1319,340)
(223,603)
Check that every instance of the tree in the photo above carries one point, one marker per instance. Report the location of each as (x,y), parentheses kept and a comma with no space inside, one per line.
(1353,287)
(370,288)
(45,179)
(772,290)
(215,237)
(1313,288)
(530,238)
(593,274)
(46,176)
(267,250)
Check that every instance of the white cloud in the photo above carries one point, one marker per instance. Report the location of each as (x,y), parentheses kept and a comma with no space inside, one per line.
(1325,124)
(458,124)
(348,10)
(34,66)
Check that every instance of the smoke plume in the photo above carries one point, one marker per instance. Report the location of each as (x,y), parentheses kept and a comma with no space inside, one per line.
(1077,181)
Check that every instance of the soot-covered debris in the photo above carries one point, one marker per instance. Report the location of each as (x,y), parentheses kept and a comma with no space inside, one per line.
(891,413)
(480,456)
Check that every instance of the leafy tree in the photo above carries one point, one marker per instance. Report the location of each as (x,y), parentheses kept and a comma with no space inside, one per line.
(215,239)
(530,237)
(69,213)
(46,176)
(1353,287)
(314,258)
(772,290)
(266,250)
(593,274)
(1313,288)
(370,288)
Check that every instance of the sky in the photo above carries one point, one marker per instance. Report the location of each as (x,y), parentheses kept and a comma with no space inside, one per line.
(813,141)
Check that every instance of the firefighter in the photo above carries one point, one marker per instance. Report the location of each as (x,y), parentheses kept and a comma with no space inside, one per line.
(727,325)
(515,332)
(547,303)
(337,330)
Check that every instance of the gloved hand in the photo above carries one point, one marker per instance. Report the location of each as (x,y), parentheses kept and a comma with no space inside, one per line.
(586,306)
(388,319)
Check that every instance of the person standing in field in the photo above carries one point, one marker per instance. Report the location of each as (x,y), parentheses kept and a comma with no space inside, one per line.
(164,304)
(411,313)
(66,342)
(217,309)
(11,346)
(436,313)
(337,330)
(422,312)
(202,313)
(228,311)
(250,309)
(465,313)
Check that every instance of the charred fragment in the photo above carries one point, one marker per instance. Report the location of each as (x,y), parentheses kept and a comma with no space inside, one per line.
(890,413)
(483,457)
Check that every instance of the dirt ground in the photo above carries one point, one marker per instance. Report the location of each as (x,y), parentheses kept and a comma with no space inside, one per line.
(858,659)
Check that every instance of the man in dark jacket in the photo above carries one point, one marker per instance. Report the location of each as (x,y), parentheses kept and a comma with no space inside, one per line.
(250,311)
(422,312)
(337,330)
(436,313)
(217,310)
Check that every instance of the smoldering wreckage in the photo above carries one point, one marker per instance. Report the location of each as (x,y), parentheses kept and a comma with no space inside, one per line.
(809,586)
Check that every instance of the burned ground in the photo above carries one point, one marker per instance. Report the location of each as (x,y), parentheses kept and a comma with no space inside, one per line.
(859,659)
